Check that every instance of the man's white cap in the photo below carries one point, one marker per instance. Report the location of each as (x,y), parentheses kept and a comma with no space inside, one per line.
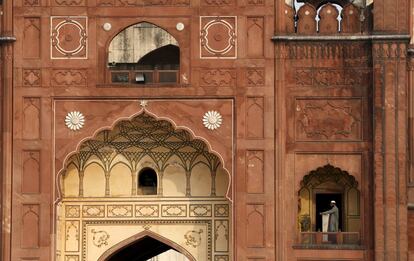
(333,202)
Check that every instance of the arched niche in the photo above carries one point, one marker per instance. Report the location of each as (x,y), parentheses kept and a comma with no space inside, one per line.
(321,186)
(145,54)
(147,181)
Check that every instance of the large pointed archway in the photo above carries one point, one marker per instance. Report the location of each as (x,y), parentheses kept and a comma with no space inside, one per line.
(143,176)
(142,247)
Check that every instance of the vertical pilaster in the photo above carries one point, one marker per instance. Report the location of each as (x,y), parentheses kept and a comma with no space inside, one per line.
(6,107)
(390,149)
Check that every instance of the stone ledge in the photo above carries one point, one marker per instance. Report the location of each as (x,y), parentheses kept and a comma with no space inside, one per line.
(7,39)
(377,37)
(328,246)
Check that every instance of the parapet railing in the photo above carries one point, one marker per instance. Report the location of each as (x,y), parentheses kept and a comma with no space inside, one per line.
(329,238)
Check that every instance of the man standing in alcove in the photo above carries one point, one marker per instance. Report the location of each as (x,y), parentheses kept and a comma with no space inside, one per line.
(333,217)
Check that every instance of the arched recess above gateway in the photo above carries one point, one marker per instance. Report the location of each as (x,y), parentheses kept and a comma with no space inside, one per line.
(152,243)
(144,53)
(132,145)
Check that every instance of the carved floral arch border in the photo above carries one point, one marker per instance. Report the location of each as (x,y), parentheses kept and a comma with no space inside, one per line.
(129,241)
(175,126)
(328,173)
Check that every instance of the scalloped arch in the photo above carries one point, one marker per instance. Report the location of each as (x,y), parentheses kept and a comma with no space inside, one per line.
(328,173)
(184,132)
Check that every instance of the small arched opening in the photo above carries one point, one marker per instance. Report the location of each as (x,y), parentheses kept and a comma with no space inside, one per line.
(144,53)
(147,182)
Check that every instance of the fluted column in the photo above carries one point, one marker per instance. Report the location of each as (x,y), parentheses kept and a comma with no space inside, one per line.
(390,149)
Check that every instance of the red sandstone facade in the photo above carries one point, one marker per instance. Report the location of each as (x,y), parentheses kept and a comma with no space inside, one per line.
(296,98)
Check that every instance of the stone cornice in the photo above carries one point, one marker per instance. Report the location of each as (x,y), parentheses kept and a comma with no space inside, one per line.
(376,37)
(7,39)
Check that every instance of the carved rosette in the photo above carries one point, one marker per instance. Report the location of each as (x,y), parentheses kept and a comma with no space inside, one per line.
(212,120)
(75,120)
(69,37)
(218,37)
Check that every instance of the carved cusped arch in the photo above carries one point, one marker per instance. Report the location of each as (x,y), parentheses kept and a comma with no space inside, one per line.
(136,238)
(140,142)
(329,173)
(329,180)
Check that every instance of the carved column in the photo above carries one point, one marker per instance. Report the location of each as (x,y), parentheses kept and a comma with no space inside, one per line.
(81,175)
(188,184)
(159,181)
(390,149)
(107,175)
(134,183)
(213,182)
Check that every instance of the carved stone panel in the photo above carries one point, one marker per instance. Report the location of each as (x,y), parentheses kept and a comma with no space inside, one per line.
(218,37)
(221,235)
(255,37)
(255,225)
(200,210)
(328,119)
(174,210)
(93,211)
(68,77)
(69,37)
(72,235)
(147,211)
(149,3)
(70,2)
(219,3)
(120,211)
(218,77)
(31,172)
(255,171)
(30,226)
(31,2)
(32,77)
(332,77)
(31,38)
(255,117)
(255,77)
(31,118)
(255,2)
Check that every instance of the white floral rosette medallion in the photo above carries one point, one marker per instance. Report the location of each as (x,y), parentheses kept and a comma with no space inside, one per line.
(212,120)
(75,120)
